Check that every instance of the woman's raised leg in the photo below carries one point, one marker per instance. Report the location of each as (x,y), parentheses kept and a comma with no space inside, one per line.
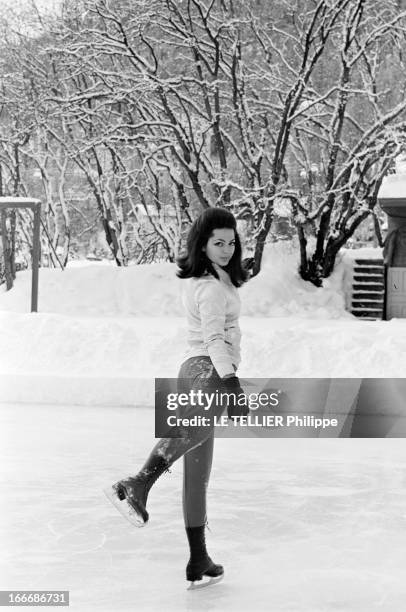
(130,494)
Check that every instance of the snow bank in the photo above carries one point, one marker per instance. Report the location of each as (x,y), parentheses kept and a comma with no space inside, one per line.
(278,291)
(103,333)
(100,291)
(58,360)
(153,290)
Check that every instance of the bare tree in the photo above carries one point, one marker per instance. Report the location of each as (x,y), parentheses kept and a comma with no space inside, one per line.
(352,127)
(166,108)
(198,101)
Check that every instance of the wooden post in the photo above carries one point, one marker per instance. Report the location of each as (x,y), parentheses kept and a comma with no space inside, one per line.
(6,251)
(35,205)
(35,258)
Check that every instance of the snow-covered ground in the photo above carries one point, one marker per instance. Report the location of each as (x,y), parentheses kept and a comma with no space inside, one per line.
(100,289)
(103,333)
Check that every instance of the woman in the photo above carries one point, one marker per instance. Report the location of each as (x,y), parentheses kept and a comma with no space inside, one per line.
(212,270)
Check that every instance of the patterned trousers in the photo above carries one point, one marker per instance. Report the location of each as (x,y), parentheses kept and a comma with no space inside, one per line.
(197,373)
(195,444)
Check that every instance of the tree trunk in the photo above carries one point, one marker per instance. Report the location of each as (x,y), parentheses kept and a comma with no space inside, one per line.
(266,222)
(378,232)
(111,236)
(312,271)
(303,252)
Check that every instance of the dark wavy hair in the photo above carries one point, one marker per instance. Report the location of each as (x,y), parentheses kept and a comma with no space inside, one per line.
(194,262)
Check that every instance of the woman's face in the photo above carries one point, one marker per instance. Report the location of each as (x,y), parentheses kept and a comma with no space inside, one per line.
(220,246)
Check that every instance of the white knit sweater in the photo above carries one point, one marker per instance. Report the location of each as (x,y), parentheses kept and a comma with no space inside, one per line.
(212,311)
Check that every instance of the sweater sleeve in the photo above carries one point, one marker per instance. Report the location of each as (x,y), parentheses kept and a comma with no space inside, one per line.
(211,304)
(237,344)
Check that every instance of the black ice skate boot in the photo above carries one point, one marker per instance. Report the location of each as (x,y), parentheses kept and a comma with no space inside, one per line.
(200,563)
(129,495)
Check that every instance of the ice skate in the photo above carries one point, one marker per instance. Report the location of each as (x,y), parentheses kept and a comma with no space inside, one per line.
(129,497)
(200,564)
(205,567)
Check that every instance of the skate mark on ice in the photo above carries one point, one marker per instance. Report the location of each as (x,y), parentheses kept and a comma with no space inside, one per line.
(82,531)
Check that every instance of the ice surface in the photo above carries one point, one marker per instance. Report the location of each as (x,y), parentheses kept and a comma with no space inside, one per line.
(313,525)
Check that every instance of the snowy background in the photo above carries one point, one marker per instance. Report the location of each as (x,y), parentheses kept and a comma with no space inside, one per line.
(299,524)
(103,333)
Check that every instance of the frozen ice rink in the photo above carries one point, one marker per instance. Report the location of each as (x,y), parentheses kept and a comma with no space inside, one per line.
(299,524)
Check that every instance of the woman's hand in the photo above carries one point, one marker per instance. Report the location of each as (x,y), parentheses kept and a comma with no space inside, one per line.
(238,402)
(231,373)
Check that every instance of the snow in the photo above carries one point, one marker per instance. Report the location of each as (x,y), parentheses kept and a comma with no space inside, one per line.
(103,333)
(283,207)
(49,358)
(11,200)
(97,290)
(363,253)
(400,164)
(393,186)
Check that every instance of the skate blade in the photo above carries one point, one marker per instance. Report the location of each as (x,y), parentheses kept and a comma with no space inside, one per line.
(203,585)
(123,507)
